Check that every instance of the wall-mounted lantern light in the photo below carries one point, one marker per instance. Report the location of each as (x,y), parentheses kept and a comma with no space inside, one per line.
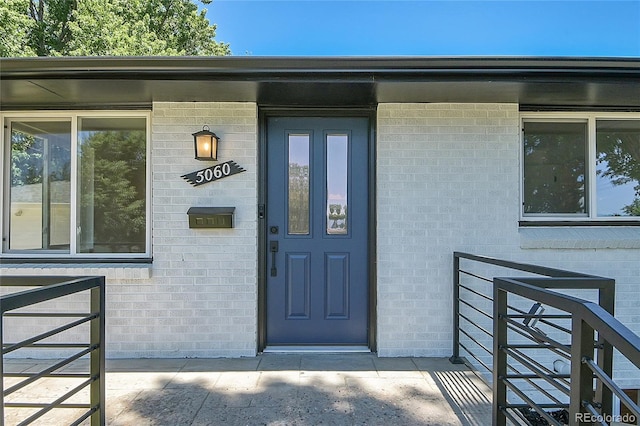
(206,145)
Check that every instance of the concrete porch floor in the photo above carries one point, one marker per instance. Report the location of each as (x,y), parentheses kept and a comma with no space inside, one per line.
(274,389)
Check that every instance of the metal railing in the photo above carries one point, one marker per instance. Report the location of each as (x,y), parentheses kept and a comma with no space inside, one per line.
(512,339)
(14,306)
(593,331)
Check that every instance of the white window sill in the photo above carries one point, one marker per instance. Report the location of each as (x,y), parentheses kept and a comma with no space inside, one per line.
(580,237)
(111,271)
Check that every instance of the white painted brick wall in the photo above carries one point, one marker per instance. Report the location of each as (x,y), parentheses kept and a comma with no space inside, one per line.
(199,297)
(448,180)
(202,300)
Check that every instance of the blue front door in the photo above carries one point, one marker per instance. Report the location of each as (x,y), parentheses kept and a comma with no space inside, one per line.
(317,214)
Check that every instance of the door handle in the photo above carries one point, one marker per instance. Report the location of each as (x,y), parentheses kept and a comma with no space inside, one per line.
(273,248)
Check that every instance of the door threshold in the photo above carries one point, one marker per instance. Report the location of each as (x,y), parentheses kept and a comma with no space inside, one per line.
(315,349)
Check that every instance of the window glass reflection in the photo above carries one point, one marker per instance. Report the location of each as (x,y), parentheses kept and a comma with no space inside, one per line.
(298,176)
(337,183)
(618,167)
(555,167)
(112,185)
(40,194)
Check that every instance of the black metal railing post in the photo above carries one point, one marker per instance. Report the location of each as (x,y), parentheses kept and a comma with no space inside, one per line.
(606,299)
(581,376)
(455,357)
(97,391)
(499,356)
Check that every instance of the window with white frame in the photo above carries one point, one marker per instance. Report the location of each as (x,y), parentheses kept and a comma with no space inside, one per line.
(581,166)
(76,185)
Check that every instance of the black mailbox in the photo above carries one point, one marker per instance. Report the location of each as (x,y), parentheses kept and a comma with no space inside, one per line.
(211,217)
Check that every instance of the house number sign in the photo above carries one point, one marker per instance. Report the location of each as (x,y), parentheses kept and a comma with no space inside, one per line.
(213,173)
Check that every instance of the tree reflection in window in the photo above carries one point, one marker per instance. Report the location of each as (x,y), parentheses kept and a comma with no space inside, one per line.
(337,219)
(337,169)
(618,167)
(555,167)
(298,203)
(298,199)
(112,186)
(40,194)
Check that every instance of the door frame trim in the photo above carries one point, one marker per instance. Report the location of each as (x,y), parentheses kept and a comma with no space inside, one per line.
(264,113)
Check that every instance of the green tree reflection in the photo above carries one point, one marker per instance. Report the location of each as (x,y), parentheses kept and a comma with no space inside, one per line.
(337,216)
(618,159)
(112,190)
(298,199)
(28,156)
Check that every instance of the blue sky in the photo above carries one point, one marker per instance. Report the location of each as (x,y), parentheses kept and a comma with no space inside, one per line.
(428,28)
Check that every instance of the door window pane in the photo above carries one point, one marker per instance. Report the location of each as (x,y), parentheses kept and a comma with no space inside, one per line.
(555,168)
(337,182)
(111,185)
(40,194)
(298,197)
(618,167)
